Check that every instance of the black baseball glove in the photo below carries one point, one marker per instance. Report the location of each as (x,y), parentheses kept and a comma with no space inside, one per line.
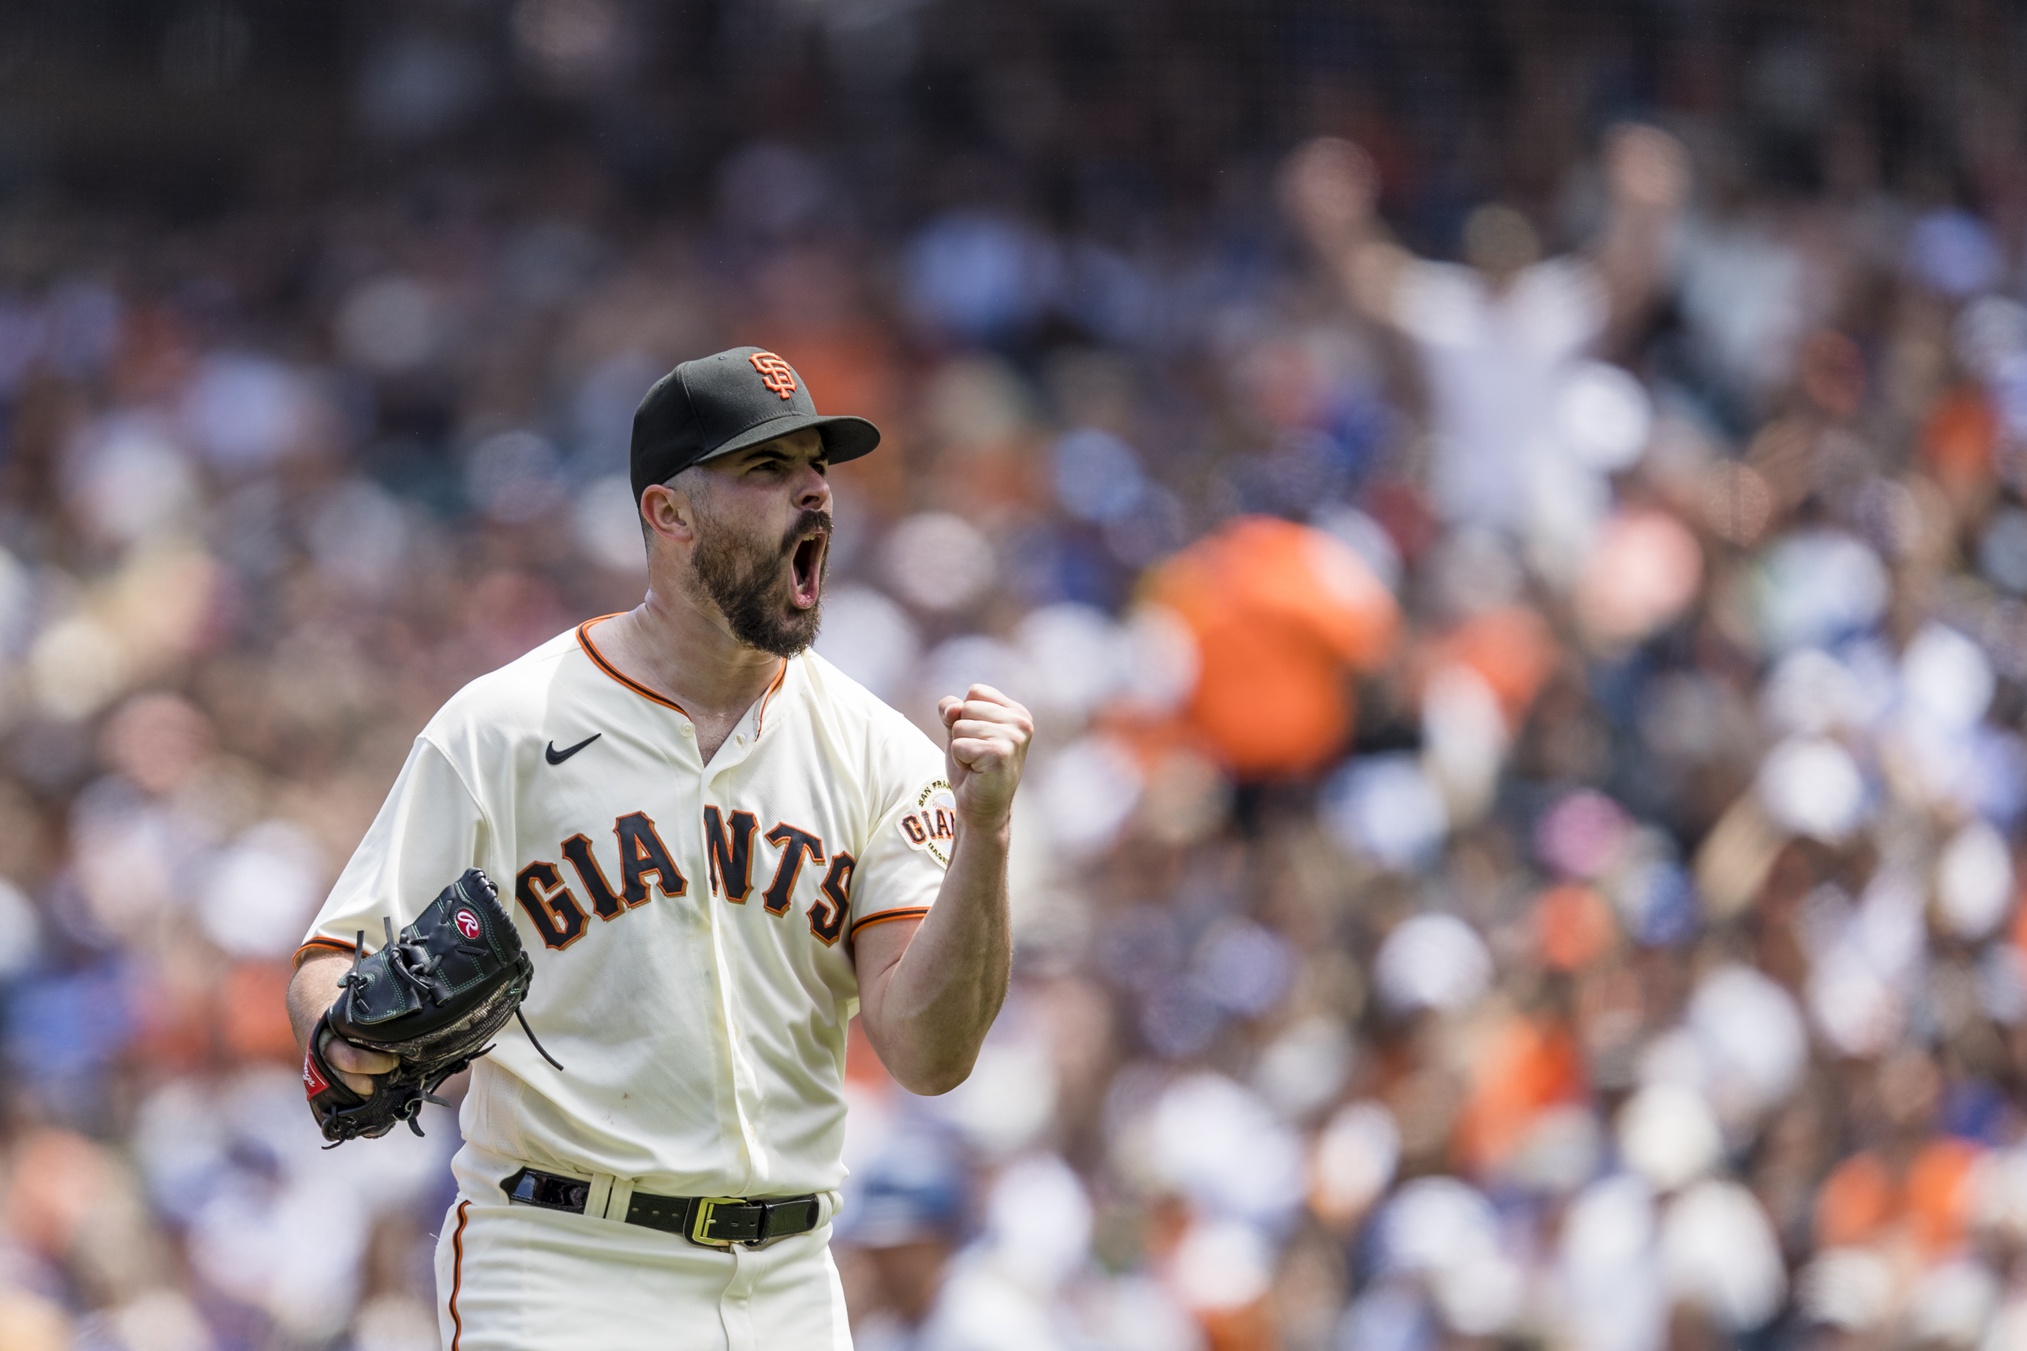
(432,997)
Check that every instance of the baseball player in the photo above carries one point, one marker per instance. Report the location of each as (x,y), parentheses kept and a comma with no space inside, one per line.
(718,849)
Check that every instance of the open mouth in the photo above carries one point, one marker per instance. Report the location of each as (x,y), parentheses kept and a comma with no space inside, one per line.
(806,568)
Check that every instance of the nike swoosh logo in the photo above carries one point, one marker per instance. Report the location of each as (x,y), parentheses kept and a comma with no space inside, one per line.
(557,757)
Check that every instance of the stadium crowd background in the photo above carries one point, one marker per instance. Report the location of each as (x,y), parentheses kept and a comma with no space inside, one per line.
(1523,843)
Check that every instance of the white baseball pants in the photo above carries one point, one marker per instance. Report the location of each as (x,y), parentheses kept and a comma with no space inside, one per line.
(521,1278)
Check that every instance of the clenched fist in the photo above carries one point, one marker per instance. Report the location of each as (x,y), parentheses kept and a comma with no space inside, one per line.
(1328,187)
(989,735)
(1646,168)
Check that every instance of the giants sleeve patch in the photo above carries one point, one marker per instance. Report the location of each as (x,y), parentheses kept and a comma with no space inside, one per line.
(930,826)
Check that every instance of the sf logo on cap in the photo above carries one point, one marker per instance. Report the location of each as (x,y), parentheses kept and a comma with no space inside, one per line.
(774,373)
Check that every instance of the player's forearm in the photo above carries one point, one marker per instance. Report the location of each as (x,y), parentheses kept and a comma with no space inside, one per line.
(313,989)
(1647,176)
(1633,259)
(942,995)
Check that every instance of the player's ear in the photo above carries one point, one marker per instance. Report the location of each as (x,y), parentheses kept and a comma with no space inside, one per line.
(667,512)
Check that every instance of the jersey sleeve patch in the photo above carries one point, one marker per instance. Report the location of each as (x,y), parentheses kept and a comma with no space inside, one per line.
(929,826)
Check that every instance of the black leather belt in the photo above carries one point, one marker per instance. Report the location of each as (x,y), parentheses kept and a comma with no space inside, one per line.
(714,1221)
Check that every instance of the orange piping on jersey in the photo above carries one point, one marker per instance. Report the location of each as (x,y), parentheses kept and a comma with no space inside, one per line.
(457,1273)
(760,719)
(332,944)
(906,912)
(598,660)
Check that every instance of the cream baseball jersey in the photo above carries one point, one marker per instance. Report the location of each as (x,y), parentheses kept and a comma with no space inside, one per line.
(689,922)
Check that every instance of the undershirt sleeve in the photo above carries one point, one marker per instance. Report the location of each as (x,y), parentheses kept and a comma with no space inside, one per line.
(429,830)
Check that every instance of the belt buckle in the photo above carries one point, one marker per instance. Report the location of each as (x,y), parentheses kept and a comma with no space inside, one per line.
(700,1220)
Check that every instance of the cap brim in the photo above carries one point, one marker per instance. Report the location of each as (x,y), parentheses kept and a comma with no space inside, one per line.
(844,437)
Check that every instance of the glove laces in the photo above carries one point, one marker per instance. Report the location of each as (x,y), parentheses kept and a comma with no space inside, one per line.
(415,966)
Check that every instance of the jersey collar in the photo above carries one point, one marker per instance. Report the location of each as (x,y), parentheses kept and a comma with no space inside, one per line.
(598,660)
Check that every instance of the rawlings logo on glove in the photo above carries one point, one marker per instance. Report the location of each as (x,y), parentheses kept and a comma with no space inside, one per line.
(433,998)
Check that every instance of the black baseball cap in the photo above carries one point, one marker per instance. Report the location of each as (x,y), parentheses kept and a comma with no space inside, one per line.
(726,402)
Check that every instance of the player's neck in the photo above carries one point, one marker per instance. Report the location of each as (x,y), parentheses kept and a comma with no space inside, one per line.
(676,647)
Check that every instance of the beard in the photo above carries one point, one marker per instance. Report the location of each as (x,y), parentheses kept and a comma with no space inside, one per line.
(751,582)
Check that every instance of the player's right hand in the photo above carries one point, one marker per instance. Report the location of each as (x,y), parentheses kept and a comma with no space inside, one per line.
(1646,168)
(356,1064)
(1328,188)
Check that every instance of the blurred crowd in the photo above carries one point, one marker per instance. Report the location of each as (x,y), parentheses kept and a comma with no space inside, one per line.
(1524,598)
